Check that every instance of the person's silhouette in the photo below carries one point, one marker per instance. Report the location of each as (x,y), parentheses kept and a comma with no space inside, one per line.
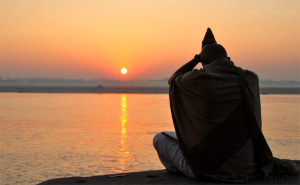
(217,119)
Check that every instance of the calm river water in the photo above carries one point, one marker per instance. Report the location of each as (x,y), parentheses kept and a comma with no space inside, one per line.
(44,136)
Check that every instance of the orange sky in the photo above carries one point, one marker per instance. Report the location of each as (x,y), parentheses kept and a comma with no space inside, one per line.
(95,39)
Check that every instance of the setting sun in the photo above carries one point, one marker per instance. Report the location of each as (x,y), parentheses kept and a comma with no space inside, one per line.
(123,71)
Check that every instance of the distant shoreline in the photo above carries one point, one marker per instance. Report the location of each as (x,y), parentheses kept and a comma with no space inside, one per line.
(136,90)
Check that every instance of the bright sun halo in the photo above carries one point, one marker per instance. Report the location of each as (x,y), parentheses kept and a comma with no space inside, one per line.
(123,71)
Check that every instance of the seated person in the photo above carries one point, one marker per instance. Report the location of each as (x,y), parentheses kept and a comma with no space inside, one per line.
(217,119)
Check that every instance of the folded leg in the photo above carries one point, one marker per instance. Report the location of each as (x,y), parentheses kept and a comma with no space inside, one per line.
(170,155)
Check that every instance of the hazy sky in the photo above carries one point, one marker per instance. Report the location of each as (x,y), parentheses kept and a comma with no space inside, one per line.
(96,38)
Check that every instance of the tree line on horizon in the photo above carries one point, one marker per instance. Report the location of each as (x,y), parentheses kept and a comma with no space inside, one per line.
(36,81)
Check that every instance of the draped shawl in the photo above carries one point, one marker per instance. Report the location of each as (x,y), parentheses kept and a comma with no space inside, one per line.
(209,116)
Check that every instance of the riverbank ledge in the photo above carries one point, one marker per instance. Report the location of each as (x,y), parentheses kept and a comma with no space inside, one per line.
(157,177)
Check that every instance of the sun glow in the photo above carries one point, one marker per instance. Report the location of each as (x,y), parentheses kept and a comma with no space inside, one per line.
(124,71)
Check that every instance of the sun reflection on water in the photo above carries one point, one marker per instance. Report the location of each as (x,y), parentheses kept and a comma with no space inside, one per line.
(124,153)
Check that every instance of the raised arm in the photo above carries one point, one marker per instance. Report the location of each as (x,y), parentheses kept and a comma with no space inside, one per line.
(208,39)
(187,67)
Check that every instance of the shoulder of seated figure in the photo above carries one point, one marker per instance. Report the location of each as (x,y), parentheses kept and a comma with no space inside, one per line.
(251,75)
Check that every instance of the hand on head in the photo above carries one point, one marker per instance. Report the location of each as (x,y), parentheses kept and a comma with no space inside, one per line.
(210,49)
(208,38)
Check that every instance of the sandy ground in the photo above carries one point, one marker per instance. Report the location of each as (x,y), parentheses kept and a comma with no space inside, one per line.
(156,177)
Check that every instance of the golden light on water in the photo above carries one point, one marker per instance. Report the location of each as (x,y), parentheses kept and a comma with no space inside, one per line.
(123,116)
(124,71)
(111,134)
(123,138)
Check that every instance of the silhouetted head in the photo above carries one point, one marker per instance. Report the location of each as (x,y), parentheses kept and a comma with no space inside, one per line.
(212,52)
